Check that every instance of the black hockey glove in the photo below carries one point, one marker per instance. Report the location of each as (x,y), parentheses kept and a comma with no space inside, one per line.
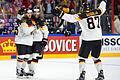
(67,33)
(18,22)
(29,22)
(58,12)
(40,22)
(44,42)
(22,11)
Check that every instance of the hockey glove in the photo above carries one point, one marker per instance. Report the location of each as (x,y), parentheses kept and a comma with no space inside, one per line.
(18,22)
(67,33)
(44,42)
(29,22)
(58,12)
(22,11)
(40,22)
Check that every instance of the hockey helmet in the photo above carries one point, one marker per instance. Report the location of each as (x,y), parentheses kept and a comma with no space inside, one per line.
(29,13)
(86,7)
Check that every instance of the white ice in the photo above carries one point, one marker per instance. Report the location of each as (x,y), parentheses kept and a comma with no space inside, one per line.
(63,69)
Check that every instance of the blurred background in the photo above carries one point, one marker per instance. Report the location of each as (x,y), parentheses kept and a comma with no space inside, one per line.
(9,10)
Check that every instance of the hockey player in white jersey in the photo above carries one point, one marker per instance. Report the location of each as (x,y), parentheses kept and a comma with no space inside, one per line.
(91,37)
(40,39)
(24,41)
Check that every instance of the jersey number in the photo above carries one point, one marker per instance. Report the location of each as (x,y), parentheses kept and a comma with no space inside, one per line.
(91,24)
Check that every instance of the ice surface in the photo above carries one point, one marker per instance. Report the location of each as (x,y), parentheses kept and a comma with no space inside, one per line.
(63,69)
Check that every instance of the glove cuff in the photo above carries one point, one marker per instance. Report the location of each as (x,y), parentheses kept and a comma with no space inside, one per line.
(45,39)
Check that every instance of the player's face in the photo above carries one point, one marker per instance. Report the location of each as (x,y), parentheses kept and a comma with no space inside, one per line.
(36,14)
(29,15)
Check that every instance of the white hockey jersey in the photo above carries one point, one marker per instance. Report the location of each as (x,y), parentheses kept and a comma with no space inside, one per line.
(91,29)
(40,33)
(24,35)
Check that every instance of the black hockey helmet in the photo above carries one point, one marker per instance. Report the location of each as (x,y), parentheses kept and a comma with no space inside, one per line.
(22,10)
(86,7)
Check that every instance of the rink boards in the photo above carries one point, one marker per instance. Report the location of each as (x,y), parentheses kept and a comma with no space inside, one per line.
(60,46)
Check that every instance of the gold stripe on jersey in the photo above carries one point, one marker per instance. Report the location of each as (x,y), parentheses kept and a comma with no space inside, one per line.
(77,19)
(90,14)
(94,12)
(42,28)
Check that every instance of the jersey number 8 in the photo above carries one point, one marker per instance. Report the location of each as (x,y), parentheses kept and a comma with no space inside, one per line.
(91,24)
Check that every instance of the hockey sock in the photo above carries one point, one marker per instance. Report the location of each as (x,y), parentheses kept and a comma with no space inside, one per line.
(32,65)
(23,65)
(20,61)
(81,65)
(26,59)
(98,64)
(19,65)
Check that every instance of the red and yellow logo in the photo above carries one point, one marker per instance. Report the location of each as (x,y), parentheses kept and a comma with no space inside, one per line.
(8,46)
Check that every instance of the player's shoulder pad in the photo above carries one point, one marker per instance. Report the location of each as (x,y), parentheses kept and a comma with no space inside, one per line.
(24,24)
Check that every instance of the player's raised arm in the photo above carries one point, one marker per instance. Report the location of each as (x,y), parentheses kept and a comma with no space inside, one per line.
(99,11)
(102,7)
(76,17)
(71,18)
(65,16)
